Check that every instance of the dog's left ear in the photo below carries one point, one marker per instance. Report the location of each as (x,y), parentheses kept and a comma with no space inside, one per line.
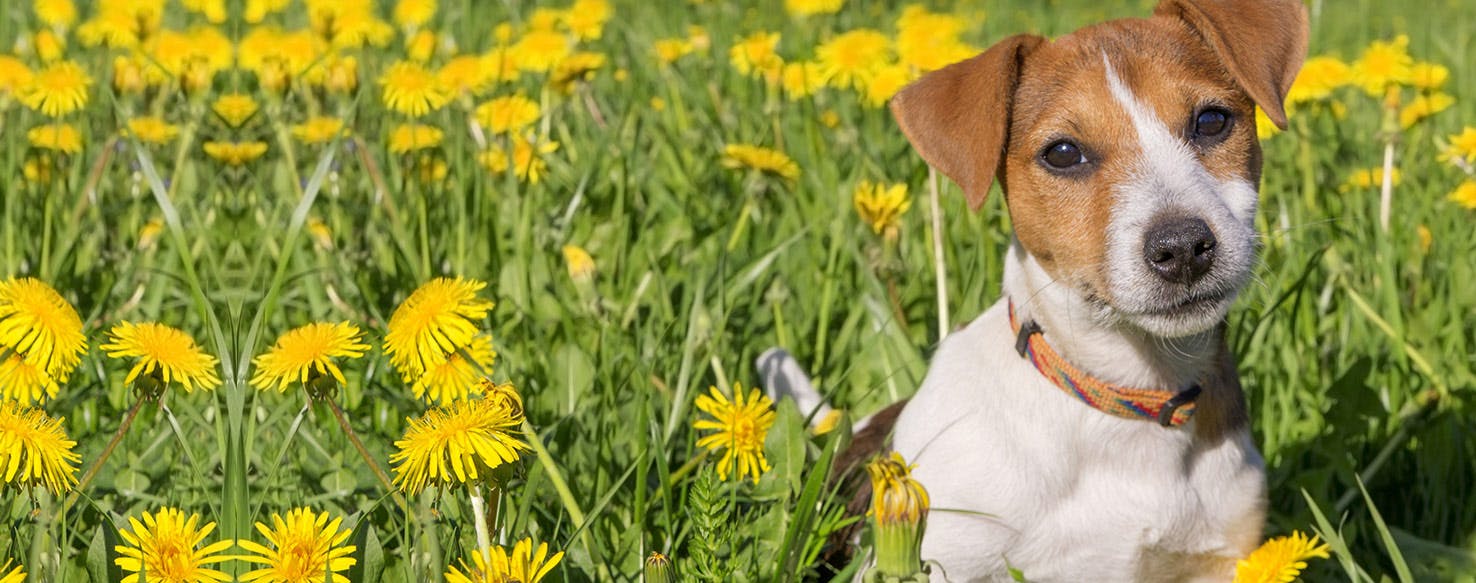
(1261,43)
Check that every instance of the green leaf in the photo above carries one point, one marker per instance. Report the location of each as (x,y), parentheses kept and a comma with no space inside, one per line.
(369,566)
(100,565)
(573,372)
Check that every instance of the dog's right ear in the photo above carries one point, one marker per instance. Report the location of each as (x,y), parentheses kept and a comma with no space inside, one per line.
(958,117)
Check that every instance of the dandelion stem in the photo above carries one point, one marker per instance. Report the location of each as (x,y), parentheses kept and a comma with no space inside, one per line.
(102,458)
(940,270)
(479,512)
(384,480)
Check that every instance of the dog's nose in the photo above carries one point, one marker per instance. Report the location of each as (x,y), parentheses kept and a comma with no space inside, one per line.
(1180,250)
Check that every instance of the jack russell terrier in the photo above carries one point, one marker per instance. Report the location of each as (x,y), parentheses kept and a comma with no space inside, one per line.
(1090,426)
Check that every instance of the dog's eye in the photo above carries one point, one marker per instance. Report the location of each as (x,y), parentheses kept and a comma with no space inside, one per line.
(1211,123)
(1062,155)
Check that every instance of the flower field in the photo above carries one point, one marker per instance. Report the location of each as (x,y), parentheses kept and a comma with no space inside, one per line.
(466,290)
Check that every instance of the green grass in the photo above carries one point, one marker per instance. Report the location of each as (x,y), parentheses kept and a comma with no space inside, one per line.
(1355,345)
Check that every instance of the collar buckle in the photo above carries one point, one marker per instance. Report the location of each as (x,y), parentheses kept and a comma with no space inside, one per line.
(1022,340)
(1184,397)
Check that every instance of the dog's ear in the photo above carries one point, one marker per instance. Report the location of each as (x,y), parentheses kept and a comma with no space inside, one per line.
(1261,43)
(958,117)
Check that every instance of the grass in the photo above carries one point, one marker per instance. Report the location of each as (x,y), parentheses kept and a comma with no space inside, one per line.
(1355,344)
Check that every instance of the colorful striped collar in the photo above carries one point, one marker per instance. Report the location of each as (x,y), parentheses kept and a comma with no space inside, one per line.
(1168,408)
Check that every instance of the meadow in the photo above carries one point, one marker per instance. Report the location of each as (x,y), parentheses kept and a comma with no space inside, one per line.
(226,350)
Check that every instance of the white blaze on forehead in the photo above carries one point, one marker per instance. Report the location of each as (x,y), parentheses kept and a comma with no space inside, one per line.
(1167,158)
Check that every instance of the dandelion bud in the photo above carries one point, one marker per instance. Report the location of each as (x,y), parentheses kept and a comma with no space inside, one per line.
(581,266)
(658,568)
(899,511)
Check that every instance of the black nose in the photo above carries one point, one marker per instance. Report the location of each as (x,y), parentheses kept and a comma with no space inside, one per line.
(1180,250)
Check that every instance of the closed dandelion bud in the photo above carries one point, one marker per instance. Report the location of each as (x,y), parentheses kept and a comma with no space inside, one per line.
(658,568)
(581,266)
(899,511)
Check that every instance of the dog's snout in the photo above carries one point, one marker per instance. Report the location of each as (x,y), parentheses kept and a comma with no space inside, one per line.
(1180,250)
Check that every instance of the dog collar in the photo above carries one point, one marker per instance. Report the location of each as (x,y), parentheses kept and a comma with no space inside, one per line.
(1168,408)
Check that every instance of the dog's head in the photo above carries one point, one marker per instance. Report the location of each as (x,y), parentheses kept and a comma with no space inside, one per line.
(1127,150)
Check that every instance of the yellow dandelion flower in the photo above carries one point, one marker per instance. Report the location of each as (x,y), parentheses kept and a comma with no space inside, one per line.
(1464,195)
(438,319)
(257,10)
(48,46)
(1384,63)
(501,65)
(929,41)
(881,206)
(700,39)
(192,57)
(507,114)
(829,118)
(739,429)
(526,161)
(410,137)
(1461,147)
(413,13)
(235,153)
(275,56)
(670,50)
(1423,106)
(165,548)
(764,160)
(62,137)
(458,443)
(801,80)
(755,55)
(545,19)
(1369,178)
(1265,128)
(34,449)
(465,75)
(587,18)
(454,379)
(1427,238)
(1427,76)
(234,109)
(25,383)
(57,90)
(580,265)
(38,324)
(149,233)
(9,575)
(14,75)
(895,495)
(852,58)
(319,130)
(321,234)
(306,352)
(39,168)
(1318,78)
(1280,559)
(412,89)
(164,352)
(303,546)
(523,564)
(152,130)
(214,11)
(338,73)
(803,8)
(348,24)
(885,83)
(575,68)
(421,46)
(540,50)
(55,13)
(123,23)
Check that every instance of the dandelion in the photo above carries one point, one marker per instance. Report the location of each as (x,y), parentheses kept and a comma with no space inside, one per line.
(898,515)
(1369,178)
(48,46)
(545,19)
(1424,106)
(540,50)
(336,74)
(14,75)
(164,354)
(501,65)
(1383,64)
(580,265)
(801,79)
(1464,195)
(57,90)
(1319,77)
(152,130)
(55,13)
(438,319)
(321,234)
(755,55)
(739,429)
(192,57)
(214,11)
(465,75)
(526,160)
(39,168)
(1427,238)
(576,68)
(9,575)
(38,325)
(319,130)
(34,449)
(458,443)
(523,565)
(764,160)
(670,50)
(463,370)
(587,18)
(1265,128)
(62,137)
(928,41)
(803,8)
(658,568)
(508,113)
(234,109)
(235,153)
(421,46)
(23,382)
(1427,76)
(411,137)
(413,13)
(412,90)
(852,58)
(1280,559)
(881,206)
(163,548)
(885,82)
(306,353)
(1462,147)
(303,547)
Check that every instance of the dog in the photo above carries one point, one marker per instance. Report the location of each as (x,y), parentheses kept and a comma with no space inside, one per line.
(1090,426)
